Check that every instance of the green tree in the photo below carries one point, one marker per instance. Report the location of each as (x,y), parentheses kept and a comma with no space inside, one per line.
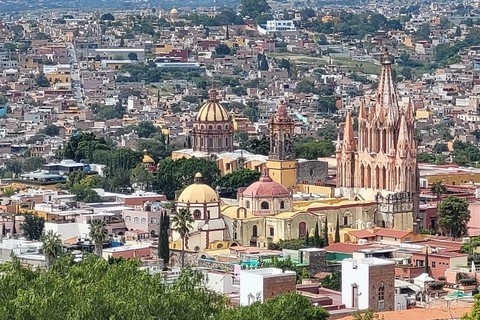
(327,104)
(33,226)
(8,192)
(146,129)
(254,8)
(132,56)
(51,130)
(163,242)
(333,281)
(239,178)
(337,230)
(182,223)
(33,163)
(305,86)
(107,17)
(222,49)
(316,237)
(83,146)
(454,215)
(307,239)
(98,234)
(314,149)
(141,176)
(175,175)
(85,194)
(438,188)
(470,246)
(42,80)
(51,244)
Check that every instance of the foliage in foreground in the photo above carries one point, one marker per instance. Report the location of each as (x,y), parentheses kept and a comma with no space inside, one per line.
(117,289)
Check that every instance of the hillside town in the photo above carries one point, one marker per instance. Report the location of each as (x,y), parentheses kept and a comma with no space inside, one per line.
(326,154)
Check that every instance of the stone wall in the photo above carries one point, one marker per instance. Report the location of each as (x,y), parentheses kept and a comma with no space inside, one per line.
(312,171)
(382,275)
(316,260)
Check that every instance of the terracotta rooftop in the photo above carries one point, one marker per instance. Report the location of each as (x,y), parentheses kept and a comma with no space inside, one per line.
(391,233)
(420,314)
(361,234)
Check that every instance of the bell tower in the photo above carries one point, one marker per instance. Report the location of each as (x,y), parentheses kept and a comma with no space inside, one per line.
(281,161)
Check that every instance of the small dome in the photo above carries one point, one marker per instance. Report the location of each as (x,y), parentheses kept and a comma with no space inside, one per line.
(212,110)
(174,11)
(265,188)
(146,157)
(198,192)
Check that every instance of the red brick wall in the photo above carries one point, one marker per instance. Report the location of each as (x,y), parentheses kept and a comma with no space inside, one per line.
(278,285)
(382,275)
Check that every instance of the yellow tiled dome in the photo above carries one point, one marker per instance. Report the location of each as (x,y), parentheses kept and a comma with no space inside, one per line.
(198,192)
(147,158)
(212,110)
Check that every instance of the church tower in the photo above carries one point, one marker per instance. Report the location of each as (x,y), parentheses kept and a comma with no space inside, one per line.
(281,158)
(383,159)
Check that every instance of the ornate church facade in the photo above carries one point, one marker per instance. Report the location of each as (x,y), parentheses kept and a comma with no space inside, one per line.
(381,162)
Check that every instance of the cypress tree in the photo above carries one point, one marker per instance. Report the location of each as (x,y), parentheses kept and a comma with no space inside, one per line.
(325,233)
(316,237)
(337,231)
(163,248)
(307,239)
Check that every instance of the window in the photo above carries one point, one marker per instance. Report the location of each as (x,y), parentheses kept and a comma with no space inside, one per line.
(247,204)
(144,221)
(302,229)
(153,220)
(264,205)
(254,231)
(197,214)
(282,204)
(272,232)
(434,264)
(128,218)
(136,220)
(381,293)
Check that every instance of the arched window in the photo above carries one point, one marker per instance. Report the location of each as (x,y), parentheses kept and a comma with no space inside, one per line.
(247,204)
(136,220)
(254,231)
(210,127)
(264,205)
(381,293)
(302,229)
(197,214)
(128,218)
(153,220)
(345,220)
(282,204)
(144,221)
(219,127)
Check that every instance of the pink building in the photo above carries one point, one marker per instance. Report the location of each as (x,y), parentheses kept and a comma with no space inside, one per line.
(144,220)
(474,223)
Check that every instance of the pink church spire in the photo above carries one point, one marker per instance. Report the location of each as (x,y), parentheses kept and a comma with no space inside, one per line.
(362,115)
(348,135)
(386,103)
(403,140)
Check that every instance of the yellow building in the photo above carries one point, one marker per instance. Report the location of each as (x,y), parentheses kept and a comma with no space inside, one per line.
(423,114)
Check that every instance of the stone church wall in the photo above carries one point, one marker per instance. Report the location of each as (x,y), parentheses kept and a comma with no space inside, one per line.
(312,171)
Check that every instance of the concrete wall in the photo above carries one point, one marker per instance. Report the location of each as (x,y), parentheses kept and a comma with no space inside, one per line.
(312,171)
(68,230)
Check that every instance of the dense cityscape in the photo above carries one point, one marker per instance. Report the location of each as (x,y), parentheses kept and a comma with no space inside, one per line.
(240,160)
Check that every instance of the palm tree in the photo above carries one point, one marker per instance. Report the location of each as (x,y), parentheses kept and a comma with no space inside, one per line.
(51,245)
(182,223)
(98,234)
(438,188)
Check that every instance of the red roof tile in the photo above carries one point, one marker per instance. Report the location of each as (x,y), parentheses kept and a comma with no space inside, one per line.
(346,247)
(361,234)
(391,233)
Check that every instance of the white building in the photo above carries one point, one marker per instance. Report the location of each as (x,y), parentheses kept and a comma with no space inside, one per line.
(368,284)
(261,284)
(277,26)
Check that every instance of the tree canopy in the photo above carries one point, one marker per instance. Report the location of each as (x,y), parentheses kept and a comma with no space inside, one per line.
(454,215)
(239,178)
(310,149)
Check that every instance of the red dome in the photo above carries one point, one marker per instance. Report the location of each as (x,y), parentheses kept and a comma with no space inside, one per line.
(265,188)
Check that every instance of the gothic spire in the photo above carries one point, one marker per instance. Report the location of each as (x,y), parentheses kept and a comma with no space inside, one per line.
(362,113)
(386,103)
(403,140)
(348,136)
(409,112)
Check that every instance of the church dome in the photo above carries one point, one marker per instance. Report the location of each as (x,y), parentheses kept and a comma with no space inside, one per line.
(212,110)
(265,188)
(198,192)
(147,158)
(174,11)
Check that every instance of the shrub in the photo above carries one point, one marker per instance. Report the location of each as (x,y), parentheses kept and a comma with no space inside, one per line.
(436,285)
(467,281)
